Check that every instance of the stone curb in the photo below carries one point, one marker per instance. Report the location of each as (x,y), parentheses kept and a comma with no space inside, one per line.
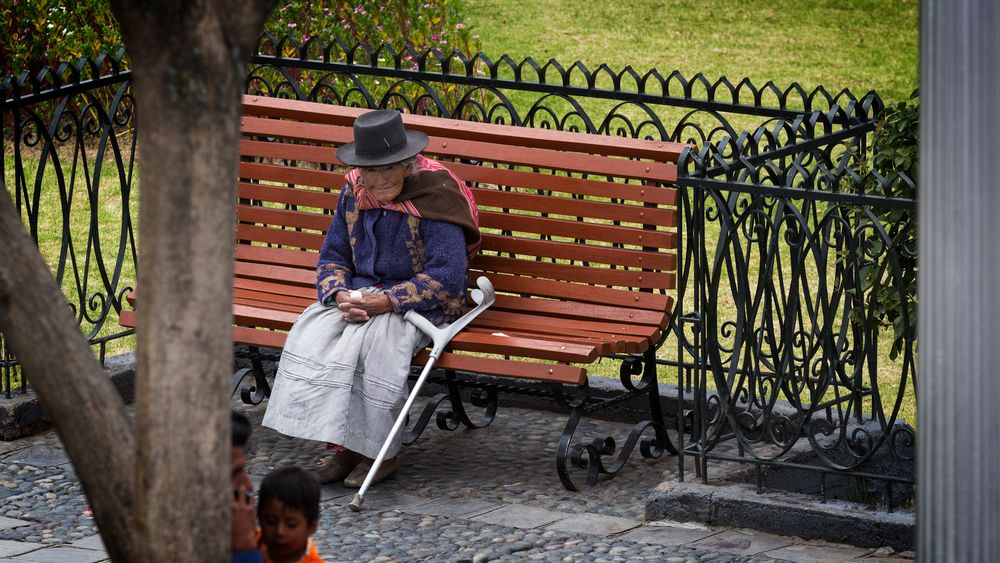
(22,415)
(741,506)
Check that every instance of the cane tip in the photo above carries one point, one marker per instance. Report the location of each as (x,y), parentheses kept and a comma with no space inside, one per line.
(355,504)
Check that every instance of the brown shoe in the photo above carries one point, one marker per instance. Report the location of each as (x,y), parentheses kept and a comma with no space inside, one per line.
(339,465)
(357,477)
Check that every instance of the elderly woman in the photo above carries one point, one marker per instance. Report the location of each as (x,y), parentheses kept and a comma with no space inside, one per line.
(401,239)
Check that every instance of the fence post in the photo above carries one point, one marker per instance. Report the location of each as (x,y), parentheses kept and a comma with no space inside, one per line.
(958,500)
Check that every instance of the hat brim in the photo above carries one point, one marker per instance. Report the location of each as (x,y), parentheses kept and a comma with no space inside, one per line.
(416,141)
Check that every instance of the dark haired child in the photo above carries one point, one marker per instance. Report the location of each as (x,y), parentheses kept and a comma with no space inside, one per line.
(288,512)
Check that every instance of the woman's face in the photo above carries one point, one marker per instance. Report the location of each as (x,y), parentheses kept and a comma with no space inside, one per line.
(384,182)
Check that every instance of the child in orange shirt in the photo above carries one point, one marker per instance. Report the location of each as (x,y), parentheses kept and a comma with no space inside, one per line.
(288,513)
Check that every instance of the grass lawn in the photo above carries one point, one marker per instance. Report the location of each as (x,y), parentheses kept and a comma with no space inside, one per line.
(83,276)
(861,45)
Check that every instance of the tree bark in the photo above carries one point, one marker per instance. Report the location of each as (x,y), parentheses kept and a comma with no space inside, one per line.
(84,406)
(189,60)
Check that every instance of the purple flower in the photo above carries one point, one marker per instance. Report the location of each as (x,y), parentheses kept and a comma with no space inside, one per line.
(292,25)
(459,25)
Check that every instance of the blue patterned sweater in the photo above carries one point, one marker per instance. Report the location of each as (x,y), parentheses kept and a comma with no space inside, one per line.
(420,262)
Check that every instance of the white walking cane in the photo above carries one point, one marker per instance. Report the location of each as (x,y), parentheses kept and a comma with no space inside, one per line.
(484,297)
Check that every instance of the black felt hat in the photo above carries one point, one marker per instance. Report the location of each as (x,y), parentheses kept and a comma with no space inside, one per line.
(380,139)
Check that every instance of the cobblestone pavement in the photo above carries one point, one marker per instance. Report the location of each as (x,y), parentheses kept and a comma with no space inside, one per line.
(483,495)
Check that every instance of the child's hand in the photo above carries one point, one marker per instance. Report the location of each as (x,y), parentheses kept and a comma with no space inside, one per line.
(243,520)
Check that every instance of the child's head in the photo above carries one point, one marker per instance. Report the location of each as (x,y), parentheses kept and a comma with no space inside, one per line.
(288,511)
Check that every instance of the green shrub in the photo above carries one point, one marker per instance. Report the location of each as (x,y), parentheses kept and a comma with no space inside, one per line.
(410,27)
(892,172)
(37,33)
(421,24)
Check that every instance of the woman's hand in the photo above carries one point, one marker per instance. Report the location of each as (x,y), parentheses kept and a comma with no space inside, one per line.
(360,309)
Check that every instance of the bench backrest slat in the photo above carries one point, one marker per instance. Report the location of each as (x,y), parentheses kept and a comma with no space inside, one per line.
(273,255)
(566,218)
(289,196)
(572,273)
(320,113)
(474,173)
(573,207)
(292,239)
(556,289)
(474,150)
(291,175)
(283,217)
(569,251)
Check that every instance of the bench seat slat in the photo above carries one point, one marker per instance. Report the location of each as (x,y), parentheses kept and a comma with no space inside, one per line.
(525,347)
(508,368)
(575,292)
(559,373)
(575,273)
(578,310)
(302,292)
(262,315)
(268,317)
(259,337)
(556,324)
(283,302)
(602,346)
(306,275)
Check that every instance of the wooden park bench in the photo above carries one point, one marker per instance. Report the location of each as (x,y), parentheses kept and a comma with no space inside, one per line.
(579,240)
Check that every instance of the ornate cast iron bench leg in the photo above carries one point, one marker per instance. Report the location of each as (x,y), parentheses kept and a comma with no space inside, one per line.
(590,456)
(258,389)
(450,417)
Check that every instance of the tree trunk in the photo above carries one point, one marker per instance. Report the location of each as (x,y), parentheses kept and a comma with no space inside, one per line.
(84,406)
(189,60)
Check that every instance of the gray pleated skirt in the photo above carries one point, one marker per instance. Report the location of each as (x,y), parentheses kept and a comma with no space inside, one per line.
(343,383)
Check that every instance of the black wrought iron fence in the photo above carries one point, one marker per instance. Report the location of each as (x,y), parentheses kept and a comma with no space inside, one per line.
(69,164)
(793,261)
(776,337)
